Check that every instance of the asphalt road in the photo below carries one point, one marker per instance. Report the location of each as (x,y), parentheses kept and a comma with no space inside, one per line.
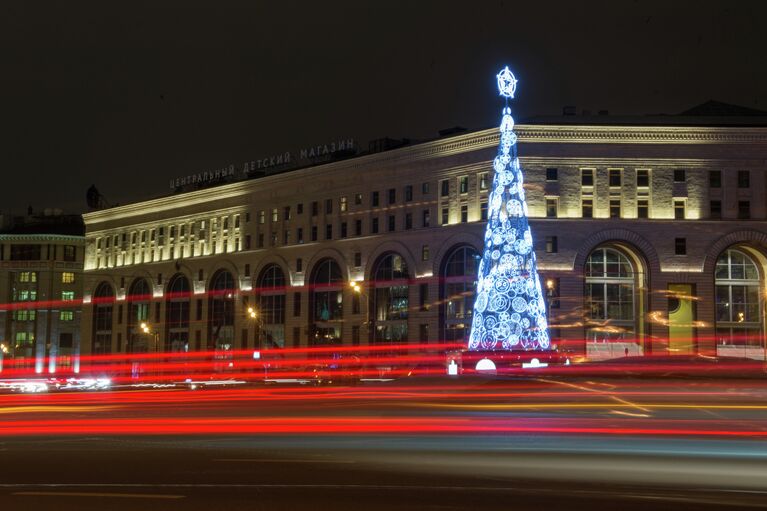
(625,444)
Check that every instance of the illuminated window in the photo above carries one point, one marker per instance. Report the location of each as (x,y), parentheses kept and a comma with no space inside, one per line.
(551,245)
(463,184)
(424,252)
(261,217)
(67,277)
(24,315)
(275,215)
(66,315)
(679,209)
(611,283)
(459,275)
(67,295)
(738,301)
(483,181)
(552,207)
(28,276)
(390,299)
(342,205)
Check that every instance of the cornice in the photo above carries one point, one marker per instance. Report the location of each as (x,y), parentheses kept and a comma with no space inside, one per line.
(475,141)
(42,237)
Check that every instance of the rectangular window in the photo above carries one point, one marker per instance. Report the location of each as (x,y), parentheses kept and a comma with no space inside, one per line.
(408,193)
(374,199)
(552,174)
(464,213)
(408,221)
(247,242)
(680,176)
(300,209)
(247,270)
(551,245)
(260,240)
(67,295)
(299,265)
(374,226)
(425,218)
(70,252)
(463,184)
(680,246)
(614,178)
(356,303)
(744,179)
(286,237)
(199,310)
(358,259)
(445,188)
(679,207)
(342,205)
(314,233)
(643,208)
(296,304)
(423,297)
(392,195)
(358,227)
(643,178)
(615,208)
(715,209)
(744,210)
(328,206)
(329,231)
(31,276)
(272,241)
(261,219)
(286,213)
(552,207)
(483,181)
(424,252)
(392,226)
(587,177)
(587,208)
(300,235)
(424,188)
(315,208)
(343,230)
(715,178)
(66,315)
(445,216)
(358,199)
(275,215)
(483,210)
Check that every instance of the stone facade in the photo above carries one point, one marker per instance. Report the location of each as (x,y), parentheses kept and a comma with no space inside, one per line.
(298,220)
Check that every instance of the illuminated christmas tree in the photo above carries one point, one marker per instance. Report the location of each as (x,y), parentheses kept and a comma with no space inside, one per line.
(509,310)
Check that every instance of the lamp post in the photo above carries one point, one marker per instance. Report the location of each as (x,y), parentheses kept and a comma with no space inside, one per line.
(258,322)
(357,288)
(147,329)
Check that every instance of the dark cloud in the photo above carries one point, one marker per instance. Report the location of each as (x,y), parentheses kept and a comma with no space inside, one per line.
(128,95)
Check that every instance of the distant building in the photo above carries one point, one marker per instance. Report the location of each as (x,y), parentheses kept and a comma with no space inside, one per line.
(41,263)
(651,236)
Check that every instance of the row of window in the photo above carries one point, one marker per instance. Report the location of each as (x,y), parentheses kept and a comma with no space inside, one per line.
(25,277)
(643,208)
(34,252)
(615,177)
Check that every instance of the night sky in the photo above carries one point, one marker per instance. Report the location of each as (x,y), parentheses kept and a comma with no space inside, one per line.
(128,97)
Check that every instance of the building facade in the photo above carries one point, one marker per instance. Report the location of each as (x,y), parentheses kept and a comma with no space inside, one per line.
(41,266)
(651,238)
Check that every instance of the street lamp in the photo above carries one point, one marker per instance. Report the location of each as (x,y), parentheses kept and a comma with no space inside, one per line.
(147,329)
(357,288)
(258,322)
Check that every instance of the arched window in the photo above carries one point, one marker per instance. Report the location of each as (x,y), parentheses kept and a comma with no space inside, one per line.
(271,295)
(327,302)
(390,299)
(103,304)
(611,297)
(221,310)
(738,300)
(457,286)
(139,296)
(177,313)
